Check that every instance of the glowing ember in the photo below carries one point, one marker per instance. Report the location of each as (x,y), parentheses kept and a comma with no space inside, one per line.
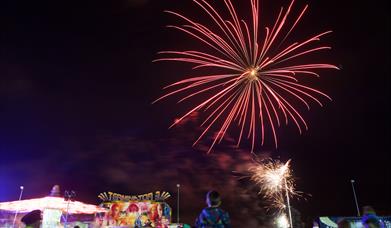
(258,79)
(75,207)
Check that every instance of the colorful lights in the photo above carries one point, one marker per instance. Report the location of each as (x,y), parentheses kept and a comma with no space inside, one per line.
(75,207)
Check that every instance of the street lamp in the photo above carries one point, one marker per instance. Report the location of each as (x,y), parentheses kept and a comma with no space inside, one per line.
(177,208)
(355,197)
(20,197)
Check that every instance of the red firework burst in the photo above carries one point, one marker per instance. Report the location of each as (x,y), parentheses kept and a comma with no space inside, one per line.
(257,75)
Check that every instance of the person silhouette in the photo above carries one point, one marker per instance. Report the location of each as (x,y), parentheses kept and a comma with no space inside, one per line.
(213,216)
(370,219)
(343,223)
(32,219)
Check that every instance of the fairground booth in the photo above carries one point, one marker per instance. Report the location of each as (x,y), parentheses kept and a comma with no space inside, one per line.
(116,210)
(48,212)
(147,210)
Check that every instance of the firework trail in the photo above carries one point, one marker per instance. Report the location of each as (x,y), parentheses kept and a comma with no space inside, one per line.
(258,76)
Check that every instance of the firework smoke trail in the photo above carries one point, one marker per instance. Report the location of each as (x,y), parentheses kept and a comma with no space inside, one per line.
(258,79)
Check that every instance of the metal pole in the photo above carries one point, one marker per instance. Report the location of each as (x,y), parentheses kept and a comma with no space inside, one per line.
(68,195)
(66,215)
(17,211)
(177,207)
(288,203)
(355,198)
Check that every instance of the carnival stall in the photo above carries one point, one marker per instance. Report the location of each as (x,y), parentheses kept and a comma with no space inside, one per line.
(53,211)
(147,210)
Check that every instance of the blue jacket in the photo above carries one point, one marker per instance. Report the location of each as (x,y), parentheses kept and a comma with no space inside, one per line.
(213,217)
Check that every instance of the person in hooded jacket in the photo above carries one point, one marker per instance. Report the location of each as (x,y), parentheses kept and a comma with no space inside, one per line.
(213,216)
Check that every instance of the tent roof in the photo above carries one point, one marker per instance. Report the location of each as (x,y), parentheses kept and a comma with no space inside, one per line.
(75,207)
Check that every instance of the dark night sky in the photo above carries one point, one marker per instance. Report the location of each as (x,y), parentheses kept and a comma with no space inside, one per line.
(77,82)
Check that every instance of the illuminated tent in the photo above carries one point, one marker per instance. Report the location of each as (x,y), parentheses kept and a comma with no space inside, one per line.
(54,210)
(59,203)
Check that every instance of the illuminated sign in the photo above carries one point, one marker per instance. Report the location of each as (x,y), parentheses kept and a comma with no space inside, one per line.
(110,197)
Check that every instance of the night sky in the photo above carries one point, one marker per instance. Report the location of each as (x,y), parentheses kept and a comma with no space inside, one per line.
(77,82)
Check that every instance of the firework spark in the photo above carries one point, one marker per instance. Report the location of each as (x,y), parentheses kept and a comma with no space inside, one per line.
(274,179)
(271,176)
(257,79)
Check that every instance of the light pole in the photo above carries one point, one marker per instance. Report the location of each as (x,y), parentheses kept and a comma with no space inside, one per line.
(20,197)
(68,195)
(355,197)
(177,207)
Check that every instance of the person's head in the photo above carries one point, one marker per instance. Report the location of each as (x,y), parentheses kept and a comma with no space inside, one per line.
(343,223)
(213,199)
(368,210)
(32,219)
(76,227)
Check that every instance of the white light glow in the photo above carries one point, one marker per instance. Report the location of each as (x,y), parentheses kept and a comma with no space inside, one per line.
(75,207)
(282,221)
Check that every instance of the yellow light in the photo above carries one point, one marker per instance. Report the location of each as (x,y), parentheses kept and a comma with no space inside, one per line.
(253,72)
